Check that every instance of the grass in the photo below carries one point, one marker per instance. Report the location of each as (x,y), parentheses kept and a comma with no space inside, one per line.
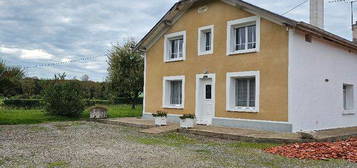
(9,116)
(251,145)
(226,153)
(170,139)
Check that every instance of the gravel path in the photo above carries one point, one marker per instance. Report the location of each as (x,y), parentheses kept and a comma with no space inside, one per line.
(90,144)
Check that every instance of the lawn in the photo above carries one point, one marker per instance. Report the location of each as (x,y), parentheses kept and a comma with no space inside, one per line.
(92,144)
(10,116)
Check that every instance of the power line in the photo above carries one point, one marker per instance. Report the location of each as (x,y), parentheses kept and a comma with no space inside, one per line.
(300,4)
(57,63)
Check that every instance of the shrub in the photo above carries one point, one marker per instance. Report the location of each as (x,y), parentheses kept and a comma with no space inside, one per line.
(64,99)
(160,114)
(23,103)
(191,116)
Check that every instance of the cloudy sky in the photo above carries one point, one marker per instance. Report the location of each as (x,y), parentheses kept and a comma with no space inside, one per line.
(79,32)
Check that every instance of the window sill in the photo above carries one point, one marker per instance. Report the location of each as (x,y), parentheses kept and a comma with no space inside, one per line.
(243,110)
(173,107)
(174,60)
(348,112)
(205,53)
(242,52)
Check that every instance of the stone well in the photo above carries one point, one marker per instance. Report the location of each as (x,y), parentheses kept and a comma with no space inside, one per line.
(98,112)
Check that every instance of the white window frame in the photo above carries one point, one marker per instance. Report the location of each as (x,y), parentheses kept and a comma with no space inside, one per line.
(167,45)
(231,25)
(350,102)
(166,92)
(201,42)
(230,91)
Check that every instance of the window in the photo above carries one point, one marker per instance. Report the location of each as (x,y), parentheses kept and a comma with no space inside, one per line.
(243,35)
(175,47)
(173,91)
(208,92)
(347,97)
(205,40)
(243,91)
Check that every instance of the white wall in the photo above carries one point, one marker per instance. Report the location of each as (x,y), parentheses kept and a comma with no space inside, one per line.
(314,103)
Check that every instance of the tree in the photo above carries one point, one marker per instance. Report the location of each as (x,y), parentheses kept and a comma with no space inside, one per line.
(10,78)
(64,99)
(28,87)
(85,77)
(61,76)
(126,71)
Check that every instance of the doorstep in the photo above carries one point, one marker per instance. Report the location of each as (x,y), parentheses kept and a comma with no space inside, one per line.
(335,134)
(244,134)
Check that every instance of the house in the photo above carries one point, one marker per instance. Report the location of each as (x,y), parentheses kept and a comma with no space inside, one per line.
(235,64)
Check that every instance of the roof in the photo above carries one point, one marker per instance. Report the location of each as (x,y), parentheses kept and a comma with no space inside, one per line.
(179,8)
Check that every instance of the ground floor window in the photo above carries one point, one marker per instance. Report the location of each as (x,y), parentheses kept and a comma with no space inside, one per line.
(347,97)
(173,92)
(243,91)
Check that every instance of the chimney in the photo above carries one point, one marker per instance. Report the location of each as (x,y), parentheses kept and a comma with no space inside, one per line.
(317,13)
(354,32)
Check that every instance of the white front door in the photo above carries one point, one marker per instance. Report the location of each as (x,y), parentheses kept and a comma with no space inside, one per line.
(205,99)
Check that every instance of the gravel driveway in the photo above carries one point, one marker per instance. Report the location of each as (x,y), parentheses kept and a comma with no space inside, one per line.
(90,144)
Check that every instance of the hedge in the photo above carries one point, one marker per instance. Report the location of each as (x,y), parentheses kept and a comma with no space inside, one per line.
(38,103)
(88,102)
(122,100)
(23,103)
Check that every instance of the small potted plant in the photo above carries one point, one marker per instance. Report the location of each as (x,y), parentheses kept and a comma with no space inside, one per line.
(187,121)
(160,118)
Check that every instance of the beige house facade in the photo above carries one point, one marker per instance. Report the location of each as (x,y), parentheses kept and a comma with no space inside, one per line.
(229,63)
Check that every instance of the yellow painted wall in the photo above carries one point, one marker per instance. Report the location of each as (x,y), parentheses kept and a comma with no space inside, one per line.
(271,61)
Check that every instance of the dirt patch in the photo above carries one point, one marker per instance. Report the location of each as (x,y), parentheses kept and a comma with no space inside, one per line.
(319,150)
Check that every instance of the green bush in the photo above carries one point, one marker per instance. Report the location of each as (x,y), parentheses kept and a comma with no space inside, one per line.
(64,99)
(23,103)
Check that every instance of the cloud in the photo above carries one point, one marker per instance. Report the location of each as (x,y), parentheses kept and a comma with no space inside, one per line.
(26,54)
(47,31)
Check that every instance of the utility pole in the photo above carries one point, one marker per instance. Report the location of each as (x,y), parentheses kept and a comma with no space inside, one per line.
(347,1)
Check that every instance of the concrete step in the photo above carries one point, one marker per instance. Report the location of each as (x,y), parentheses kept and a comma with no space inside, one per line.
(243,134)
(163,129)
(129,121)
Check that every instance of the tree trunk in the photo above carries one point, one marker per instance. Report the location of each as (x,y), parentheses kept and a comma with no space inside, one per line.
(133,105)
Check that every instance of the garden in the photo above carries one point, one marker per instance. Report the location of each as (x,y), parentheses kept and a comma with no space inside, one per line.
(30,100)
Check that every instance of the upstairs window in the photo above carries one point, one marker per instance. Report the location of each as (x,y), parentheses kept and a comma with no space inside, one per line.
(243,35)
(175,47)
(245,38)
(347,97)
(205,40)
